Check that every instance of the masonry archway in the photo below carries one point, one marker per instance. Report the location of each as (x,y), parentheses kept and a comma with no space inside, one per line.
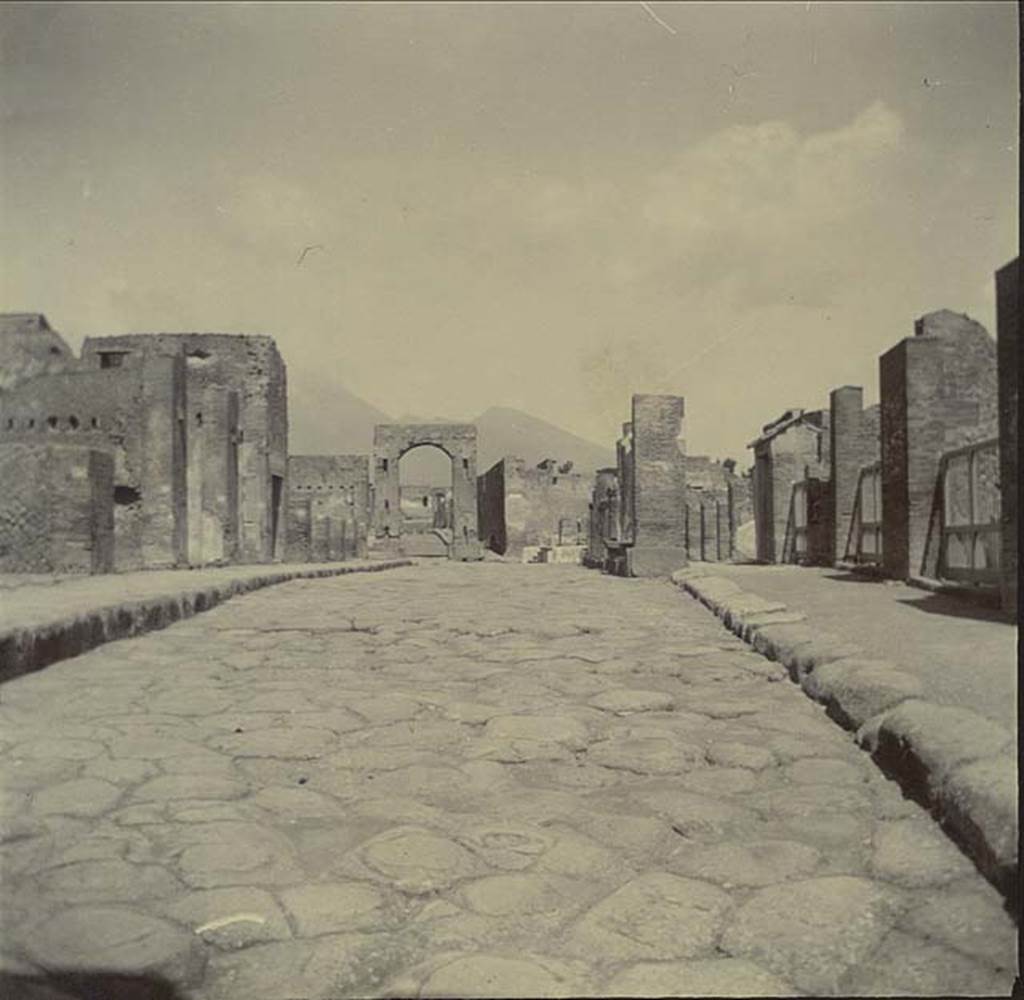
(458,442)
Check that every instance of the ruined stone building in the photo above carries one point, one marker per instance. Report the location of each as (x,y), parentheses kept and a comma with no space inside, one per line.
(328,507)
(29,347)
(856,477)
(648,537)
(939,397)
(718,504)
(520,507)
(792,494)
(193,430)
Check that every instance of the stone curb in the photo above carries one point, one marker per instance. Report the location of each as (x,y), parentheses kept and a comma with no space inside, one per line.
(956,763)
(23,650)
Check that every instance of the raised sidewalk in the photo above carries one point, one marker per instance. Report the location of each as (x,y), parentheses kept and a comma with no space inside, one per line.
(46,619)
(927,683)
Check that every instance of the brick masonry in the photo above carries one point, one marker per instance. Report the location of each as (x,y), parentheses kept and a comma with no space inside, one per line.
(854,445)
(328,507)
(938,393)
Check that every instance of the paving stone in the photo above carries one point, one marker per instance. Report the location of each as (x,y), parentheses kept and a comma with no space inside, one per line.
(185,786)
(906,966)
(657,915)
(130,941)
(108,881)
(730,754)
(697,816)
(710,977)
(747,863)
(288,742)
(418,860)
(824,772)
(230,918)
(970,921)
(498,976)
(811,932)
(646,754)
(330,907)
(214,854)
(119,772)
(58,748)
(719,781)
(561,729)
(506,846)
(81,797)
(914,852)
(513,895)
(293,804)
(624,701)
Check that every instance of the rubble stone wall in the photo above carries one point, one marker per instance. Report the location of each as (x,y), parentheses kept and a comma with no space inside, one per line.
(329,507)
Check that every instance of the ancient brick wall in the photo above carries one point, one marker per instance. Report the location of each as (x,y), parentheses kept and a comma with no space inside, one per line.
(707,515)
(854,433)
(329,507)
(790,450)
(56,508)
(658,486)
(134,411)
(252,368)
(938,393)
(1008,346)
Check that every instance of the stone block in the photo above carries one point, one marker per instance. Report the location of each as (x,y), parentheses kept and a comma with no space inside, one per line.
(854,690)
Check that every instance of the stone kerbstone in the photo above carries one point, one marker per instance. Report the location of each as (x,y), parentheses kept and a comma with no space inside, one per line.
(979,801)
(746,626)
(737,607)
(709,977)
(811,932)
(655,916)
(712,590)
(929,741)
(499,976)
(94,937)
(774,641)
(823,647)
(857,689)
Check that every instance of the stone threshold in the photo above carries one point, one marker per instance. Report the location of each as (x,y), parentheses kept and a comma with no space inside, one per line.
(958,764)
(29,648)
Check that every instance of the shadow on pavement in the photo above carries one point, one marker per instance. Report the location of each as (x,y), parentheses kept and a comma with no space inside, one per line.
(941,604)
(71,985)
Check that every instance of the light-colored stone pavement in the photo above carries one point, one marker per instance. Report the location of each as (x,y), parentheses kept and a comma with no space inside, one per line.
(469,779)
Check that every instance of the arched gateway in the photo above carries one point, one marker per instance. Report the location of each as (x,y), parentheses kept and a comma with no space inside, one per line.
(458,442)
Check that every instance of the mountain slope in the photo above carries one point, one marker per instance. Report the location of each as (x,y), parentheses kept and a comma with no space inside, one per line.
(327,419)
(502,430)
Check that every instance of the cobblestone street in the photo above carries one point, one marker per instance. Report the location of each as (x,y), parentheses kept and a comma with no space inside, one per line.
(469,779)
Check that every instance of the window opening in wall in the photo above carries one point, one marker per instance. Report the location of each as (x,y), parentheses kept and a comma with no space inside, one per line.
(112,359)
(387,505)
(125,496)
(31,422)
(73,421)
(94,422)
(51,421)
(10,423)
(55,350)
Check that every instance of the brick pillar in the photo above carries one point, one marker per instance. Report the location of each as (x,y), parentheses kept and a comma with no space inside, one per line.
(1007,344)
(937,388)
(659,486)
(846,406)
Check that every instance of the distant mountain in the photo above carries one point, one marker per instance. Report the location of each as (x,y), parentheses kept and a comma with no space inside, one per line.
(503,431)
(328,419)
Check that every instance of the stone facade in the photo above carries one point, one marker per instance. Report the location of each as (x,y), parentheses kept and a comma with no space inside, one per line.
(603,518)
(1008,347)
(458,442)
(136,413)
(243,457)
(328,507)
(518,507)
(855,445)
(938,393)
(56,508)
(792,449)
(717,505)
(195,425)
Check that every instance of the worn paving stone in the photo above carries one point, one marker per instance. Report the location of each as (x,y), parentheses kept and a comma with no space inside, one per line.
(529,779)
(708,977)
(811,932)
(657,915)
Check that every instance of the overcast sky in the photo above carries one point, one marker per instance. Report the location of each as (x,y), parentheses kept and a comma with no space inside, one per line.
(541,206)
